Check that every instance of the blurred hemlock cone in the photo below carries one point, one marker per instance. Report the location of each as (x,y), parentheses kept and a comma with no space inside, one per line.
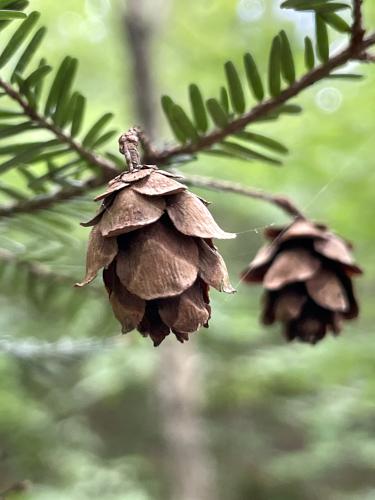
(306,271)
(154,240)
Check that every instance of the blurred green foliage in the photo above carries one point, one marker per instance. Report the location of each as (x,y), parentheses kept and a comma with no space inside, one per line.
(284,421)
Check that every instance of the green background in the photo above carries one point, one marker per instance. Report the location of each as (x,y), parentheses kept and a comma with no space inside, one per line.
(281,421)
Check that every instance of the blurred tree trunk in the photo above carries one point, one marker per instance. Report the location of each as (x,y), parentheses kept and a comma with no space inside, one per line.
(142,21)
(179,386)
(178,380)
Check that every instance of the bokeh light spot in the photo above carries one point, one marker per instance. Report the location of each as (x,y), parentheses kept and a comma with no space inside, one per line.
(250,10)
(97,8)
(69,24)
(329,99)
(94,30)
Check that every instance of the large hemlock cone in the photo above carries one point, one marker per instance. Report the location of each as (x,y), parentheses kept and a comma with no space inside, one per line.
(306,271)
(154,240)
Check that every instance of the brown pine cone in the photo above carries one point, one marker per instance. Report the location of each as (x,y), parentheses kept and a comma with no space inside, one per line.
(306,271)
(154,240)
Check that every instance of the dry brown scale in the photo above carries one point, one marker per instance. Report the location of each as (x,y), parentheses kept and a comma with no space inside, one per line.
(306,271)
(154,240)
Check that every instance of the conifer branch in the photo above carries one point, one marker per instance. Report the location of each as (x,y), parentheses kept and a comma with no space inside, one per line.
(43,202)
(354,51)
(38,270)
(107,167)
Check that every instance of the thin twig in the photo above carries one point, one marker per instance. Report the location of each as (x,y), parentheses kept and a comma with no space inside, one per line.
(231,187)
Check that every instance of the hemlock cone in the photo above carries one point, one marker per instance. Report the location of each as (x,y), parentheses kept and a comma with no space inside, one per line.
(154,240)
(306,271)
